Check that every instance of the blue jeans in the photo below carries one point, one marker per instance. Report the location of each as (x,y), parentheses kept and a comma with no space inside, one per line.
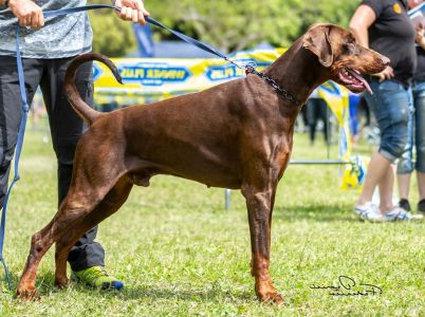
(416,133)
(391,103)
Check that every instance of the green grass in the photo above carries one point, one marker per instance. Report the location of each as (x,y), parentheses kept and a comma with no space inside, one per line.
(180,253)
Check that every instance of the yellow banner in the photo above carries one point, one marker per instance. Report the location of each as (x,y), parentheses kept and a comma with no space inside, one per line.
(152,79)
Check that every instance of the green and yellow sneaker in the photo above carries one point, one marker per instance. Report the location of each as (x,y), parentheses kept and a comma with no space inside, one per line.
(97,277)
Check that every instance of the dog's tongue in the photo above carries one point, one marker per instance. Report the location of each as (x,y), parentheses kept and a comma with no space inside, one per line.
(363,81)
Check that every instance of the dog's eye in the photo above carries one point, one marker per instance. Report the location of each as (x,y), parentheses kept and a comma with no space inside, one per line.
(350,47)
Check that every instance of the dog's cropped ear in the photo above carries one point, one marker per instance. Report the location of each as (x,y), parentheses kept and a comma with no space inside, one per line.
(317,41)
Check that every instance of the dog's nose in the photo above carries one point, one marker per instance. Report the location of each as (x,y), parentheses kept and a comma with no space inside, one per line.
(385,60)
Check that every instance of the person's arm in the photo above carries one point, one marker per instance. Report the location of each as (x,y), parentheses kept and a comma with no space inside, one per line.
(28,13)
(421,42)
(362,19)
(132,10)
(420,38)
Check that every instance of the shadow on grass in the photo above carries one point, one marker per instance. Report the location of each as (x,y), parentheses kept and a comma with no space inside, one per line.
(321,213)
(214,294)
(45,287)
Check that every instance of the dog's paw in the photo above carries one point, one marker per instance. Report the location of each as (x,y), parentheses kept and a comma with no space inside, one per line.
(62,283)
(27,294)
(267,293)
(271,297)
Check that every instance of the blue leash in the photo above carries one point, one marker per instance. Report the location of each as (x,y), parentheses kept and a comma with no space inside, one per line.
(26,107)
(19,143)
(187,39)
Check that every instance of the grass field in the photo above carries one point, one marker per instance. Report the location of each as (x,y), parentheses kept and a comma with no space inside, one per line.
(180,253)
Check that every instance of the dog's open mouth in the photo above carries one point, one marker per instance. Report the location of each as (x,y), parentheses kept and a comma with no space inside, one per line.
(353,80)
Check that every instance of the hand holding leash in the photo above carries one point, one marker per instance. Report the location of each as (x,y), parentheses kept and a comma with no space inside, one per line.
(28,13)
(132,10)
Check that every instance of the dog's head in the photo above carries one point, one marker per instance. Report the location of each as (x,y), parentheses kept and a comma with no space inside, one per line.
(346,61)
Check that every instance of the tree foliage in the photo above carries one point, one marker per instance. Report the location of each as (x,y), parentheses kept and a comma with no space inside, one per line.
(227,24)
(111,36)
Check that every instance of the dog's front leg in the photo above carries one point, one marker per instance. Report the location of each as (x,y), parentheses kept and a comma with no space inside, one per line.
(260,205)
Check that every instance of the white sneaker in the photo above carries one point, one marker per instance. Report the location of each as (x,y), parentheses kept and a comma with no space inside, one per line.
(399,214)
(369,212)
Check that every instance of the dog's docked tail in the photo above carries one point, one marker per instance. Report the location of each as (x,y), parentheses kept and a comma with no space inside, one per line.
(83,109)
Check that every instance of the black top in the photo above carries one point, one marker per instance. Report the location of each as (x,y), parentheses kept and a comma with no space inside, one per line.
(393,35)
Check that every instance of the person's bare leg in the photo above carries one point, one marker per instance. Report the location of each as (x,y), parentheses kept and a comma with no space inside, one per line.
(386,187)
(403,181)
(421,185)
(376,170)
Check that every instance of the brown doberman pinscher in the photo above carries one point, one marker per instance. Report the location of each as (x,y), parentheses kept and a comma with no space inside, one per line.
(236,135)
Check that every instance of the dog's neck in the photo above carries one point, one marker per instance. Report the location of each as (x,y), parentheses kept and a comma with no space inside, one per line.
(298,71)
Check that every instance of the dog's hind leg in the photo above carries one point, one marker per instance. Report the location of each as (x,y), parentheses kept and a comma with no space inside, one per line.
(91,182)
(77,204)
(40,243)
(109,205)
